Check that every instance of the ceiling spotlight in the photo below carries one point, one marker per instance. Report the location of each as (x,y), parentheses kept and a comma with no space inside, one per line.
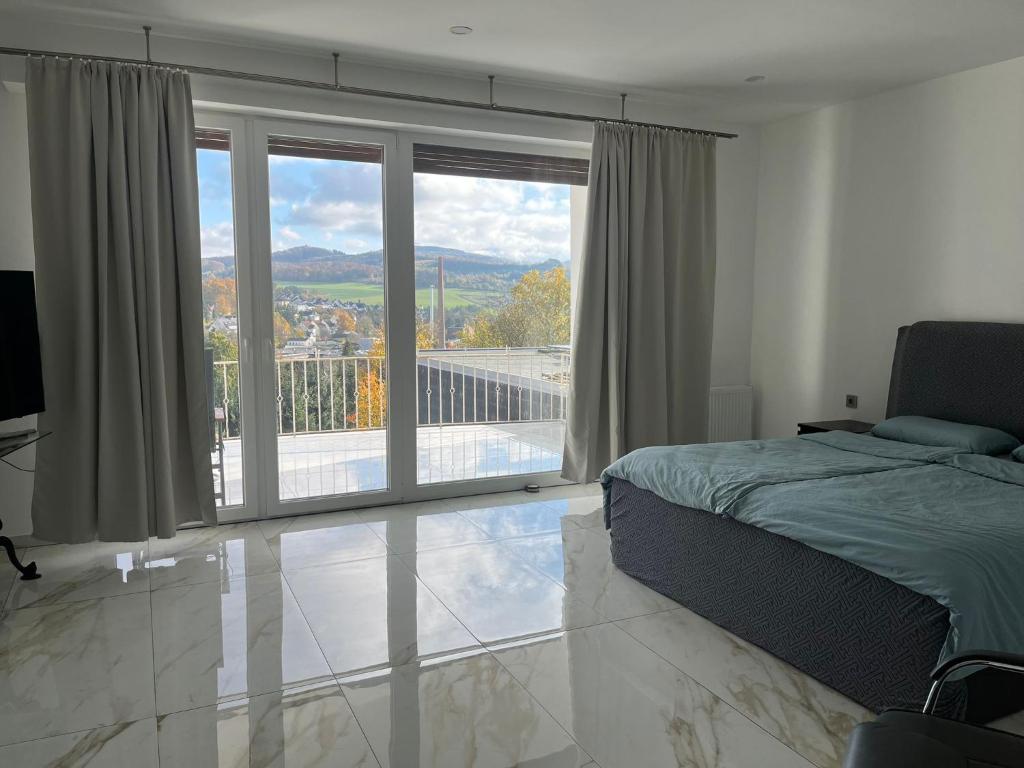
(460,29)
(754,79)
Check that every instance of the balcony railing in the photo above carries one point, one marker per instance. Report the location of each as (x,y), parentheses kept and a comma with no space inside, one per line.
(472,386)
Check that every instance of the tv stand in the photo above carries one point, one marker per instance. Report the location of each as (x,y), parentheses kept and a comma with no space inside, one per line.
(8,445)
(5,436)
(28,572)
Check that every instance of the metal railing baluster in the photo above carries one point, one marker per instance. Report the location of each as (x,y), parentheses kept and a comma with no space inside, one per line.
(380,379)
(355,386)
(280,399)
(330,378)
(344,394)
(383,383)
(451,391)
(319,402)
(529,416)
(291,371)
(305,395)
(224,402)
(542,380)
(417,389)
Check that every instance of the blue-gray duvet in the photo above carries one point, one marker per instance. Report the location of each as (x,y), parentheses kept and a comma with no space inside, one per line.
(944,524)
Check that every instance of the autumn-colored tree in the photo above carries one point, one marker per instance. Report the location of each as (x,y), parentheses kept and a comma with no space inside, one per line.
(426,338)
(536,314)
(219,296)
(372,392)
(343,320)
(371,397)
(379,346)
(283,328)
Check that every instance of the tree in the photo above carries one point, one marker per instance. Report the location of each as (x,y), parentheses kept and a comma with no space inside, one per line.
(343,320)
(219,296)
(536,314)
(426,338)
(372,392)
(371,396)
(283,328)
(225,378)
(224,345)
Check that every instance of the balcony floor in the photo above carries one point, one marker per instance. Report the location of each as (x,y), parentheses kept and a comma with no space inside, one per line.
(325,463)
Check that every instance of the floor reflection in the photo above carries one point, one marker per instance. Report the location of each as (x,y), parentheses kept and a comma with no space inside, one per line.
(457,711)
(495,594)
(220,640)
(483,631)
(374,613)
(308,726)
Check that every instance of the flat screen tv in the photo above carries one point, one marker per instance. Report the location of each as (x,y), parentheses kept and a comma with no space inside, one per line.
(21,374)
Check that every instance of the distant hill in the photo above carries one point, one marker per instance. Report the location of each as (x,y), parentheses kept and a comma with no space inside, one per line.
(307,263)
(311,254)
(463,269)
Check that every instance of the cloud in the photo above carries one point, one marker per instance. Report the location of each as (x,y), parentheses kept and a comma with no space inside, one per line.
(318,199)
(324,200)
(320,221)
(518,221)
(336,215)
(317,179)
(218,241)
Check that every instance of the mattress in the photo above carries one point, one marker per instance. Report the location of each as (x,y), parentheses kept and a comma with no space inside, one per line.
(862,634)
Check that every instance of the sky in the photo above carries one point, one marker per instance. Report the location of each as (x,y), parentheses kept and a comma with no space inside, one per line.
(338,204)
(215,225)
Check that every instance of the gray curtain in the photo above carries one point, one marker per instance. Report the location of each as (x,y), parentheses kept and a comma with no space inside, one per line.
(641,353)
(116,217)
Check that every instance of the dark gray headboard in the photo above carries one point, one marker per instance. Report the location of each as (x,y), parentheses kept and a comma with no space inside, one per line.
(967,372)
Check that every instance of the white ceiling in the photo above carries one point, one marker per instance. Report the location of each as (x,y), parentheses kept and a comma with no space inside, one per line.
(812,52)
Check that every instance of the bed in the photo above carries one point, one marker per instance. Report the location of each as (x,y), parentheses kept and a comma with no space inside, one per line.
(864,634)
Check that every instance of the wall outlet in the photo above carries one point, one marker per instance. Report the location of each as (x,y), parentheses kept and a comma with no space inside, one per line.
(851,401)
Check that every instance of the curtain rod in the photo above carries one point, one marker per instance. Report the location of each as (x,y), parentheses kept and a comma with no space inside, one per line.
(490,106)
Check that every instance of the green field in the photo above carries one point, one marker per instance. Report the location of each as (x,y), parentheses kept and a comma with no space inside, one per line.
(372,294)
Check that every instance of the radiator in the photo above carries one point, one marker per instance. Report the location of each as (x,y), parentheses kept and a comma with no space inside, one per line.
(730,414)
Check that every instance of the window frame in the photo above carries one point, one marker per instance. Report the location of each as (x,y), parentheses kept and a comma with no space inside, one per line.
(250,132)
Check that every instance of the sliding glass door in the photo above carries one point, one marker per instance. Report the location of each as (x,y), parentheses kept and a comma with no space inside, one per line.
(493,257)
(227,318)
(323,301)
(328,290)
(387,319)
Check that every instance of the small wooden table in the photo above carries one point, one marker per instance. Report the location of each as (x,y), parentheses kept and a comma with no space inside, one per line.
(7,447)
(843,425)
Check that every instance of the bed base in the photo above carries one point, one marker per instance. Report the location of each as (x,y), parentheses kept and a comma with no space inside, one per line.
(869,638)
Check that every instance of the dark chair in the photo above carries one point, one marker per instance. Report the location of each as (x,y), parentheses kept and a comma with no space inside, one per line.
(904,739)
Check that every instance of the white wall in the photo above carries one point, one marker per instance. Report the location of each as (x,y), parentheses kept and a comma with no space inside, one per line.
(904,206)
(737,159)
(15,253)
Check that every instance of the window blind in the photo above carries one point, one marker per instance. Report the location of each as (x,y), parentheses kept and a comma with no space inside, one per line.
(326,150)
(213,138)
(488,164)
